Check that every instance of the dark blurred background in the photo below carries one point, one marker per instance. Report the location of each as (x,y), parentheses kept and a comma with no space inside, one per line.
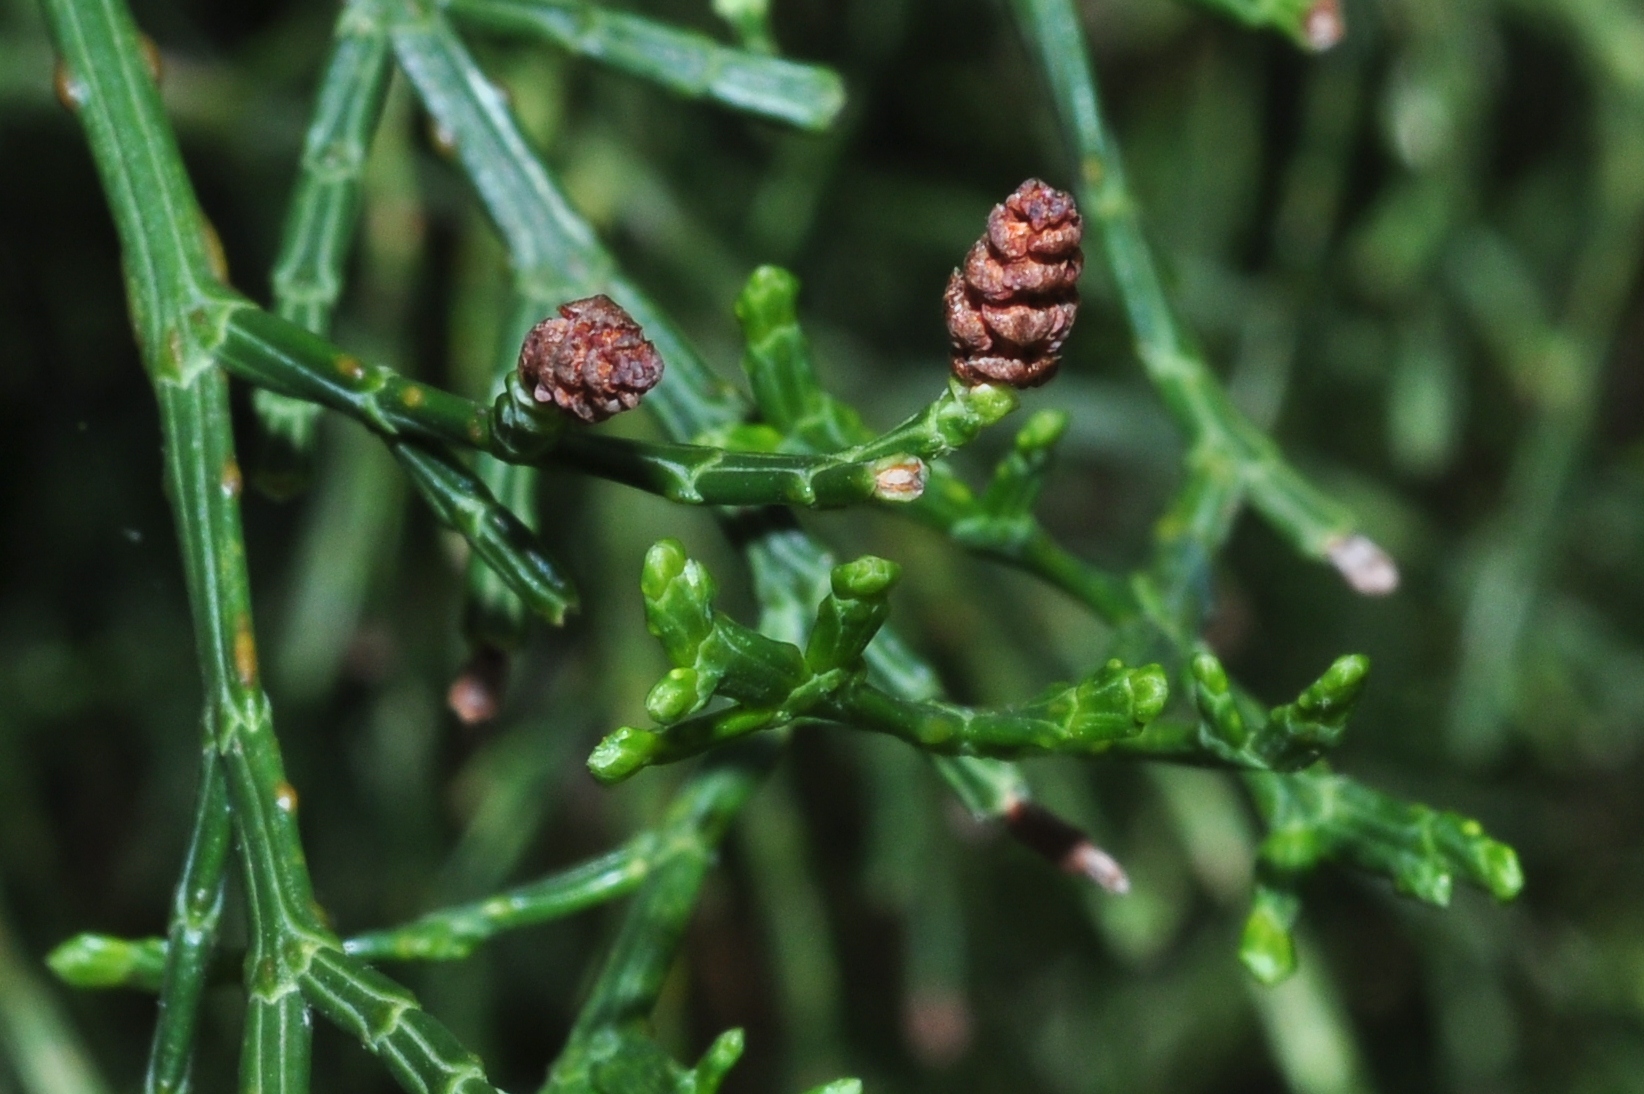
(1415,258)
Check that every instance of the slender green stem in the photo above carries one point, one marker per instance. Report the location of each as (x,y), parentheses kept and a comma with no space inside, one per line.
(167,260)
(325,203)
(320,219)
(628,984)
(1216,431)
(463,504)
(179,309)
(446,934)
(196,910)
(685,62)
(452,933)
(269,351)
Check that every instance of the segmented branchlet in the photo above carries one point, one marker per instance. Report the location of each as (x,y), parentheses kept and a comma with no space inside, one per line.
(1012,304)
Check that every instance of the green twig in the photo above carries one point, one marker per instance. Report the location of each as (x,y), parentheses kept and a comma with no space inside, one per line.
(1220,438)
(319,224)
(685,62)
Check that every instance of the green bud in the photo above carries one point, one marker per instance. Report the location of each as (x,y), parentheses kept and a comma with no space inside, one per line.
(838,1086)
(1112,703)
(768,301)
(1499,869)
(1042,431)
(1424,879)
(985,404)
(721,1056)
(622,753)
(1318,717)
(664,564)
(1208,671)
(1266,948)
(1150,690)
(1332,696)
(847,620)
(1214,698)
(676,695)
(1292,850)
(99,961)
(864,577)
(678,600)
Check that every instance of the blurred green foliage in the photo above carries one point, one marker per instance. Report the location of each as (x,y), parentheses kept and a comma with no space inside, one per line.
(1415,258)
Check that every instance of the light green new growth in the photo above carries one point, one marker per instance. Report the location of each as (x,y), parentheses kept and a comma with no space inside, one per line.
(773,684)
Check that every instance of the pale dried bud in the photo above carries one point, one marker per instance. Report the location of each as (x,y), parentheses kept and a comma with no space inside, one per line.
(1369,569)
(900,479)
(1012,304)
(1324,25)
(591,361)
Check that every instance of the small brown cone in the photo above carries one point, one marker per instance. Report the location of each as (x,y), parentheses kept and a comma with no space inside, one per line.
(592,360)
(1012,304)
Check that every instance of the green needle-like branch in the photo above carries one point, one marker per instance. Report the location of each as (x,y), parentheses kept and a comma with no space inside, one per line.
(1317,816)
(685,62)
(608,1049)
(319,225)
(1233,731)
(1219,436)
(179,306)
(268,351)
(452,933)
(462,503)
(999,525)
(771,683)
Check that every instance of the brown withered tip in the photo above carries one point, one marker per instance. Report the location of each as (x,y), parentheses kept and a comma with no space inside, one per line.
(475,696)
(1012,304)
(592,360)
(1070,849)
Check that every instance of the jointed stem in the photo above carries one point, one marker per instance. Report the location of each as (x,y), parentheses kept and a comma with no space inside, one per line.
(308,275)
(1216,431)
(178,307)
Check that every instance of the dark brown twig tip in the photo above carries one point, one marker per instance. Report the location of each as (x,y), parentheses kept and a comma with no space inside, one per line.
(475,696)
(1071,850)
(1012,304)
(591,361)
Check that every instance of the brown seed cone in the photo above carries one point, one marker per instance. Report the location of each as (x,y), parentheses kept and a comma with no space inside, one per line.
(591,361)
(1012,304)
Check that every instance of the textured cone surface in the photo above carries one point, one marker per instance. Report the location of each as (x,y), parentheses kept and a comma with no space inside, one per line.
(1012,304)
(591,361)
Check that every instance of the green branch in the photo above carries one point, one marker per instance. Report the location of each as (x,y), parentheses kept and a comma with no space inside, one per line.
(268,351)
(319,224)
(1219,436)
(685,62)
(998,525)
(1317,816)
(178,309)
(771,683)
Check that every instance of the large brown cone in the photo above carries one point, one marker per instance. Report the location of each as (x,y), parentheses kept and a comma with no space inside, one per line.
(591,361)
(1012,304)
